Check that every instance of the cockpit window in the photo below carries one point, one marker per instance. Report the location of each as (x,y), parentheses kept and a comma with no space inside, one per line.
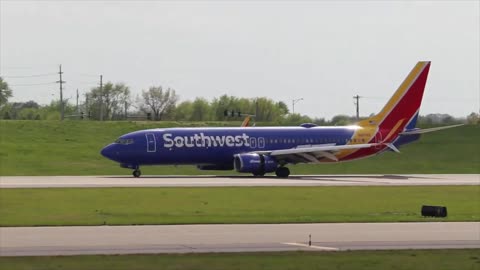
(124,141)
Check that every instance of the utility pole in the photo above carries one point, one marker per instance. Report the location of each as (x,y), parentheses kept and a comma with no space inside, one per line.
(256,110)
(126,103)
(357,105)
(78,111)
(294,101)
(101,97)
(62,105)
(87,108)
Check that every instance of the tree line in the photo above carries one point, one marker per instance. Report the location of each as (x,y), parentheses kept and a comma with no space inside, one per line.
(114,101)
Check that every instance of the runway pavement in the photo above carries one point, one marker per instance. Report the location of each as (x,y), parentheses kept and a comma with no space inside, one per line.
(26,241)
(213,181)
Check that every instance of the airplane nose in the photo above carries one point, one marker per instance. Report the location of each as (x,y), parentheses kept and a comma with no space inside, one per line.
(108,152)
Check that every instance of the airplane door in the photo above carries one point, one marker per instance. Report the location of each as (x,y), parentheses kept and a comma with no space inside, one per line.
(253,142)
(261,142)
(151,144)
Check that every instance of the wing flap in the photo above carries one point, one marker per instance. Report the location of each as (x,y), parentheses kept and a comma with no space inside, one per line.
(312,153)
(314,149)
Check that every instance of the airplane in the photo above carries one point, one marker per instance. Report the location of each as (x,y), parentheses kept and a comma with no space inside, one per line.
(262,150)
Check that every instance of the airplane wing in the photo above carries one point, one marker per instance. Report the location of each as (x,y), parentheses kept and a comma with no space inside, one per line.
(312,153)
(426,130)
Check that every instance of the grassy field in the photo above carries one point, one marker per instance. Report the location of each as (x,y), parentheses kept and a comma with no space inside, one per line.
(116,206)
(72,148)
(372,260)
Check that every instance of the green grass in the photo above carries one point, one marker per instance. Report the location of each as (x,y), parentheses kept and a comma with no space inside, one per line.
(121,206)
(72,148)
(372,260)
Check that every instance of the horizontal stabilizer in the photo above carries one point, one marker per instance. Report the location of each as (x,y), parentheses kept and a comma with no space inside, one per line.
(391,146)
(427,130)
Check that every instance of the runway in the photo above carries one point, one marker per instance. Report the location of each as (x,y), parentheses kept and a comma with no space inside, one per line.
(27,241)
(243,181)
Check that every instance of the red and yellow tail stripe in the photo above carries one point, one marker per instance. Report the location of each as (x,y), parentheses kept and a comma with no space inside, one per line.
(395,115)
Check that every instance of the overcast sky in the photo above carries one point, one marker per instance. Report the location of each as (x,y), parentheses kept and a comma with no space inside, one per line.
(324,52)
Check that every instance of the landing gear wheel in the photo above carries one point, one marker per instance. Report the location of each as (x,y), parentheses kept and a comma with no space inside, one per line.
(137,173)
(282,172)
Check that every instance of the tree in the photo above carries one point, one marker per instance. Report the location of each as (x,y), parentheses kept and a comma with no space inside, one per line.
(115,101)
(219,105)
(320,121)
(200,110)
(282,106)
(31,110)
(21,110)
(183,111)
(158,101)
(114,98)
(295,119)
(342,120)
(267,110)
(473,118)
(5,92)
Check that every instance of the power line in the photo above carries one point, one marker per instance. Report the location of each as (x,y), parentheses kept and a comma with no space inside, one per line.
(31,84)
(88,75)
(374,97)
(29,76)
(85,83)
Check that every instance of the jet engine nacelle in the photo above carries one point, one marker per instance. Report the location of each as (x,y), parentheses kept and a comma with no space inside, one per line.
(254,163)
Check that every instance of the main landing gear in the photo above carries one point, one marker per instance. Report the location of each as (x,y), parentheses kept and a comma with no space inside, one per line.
(136,173)
(282,172)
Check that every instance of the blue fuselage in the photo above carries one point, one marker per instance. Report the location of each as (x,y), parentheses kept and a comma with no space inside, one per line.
(217,146)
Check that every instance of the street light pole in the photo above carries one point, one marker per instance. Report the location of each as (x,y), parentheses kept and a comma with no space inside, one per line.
(294,101)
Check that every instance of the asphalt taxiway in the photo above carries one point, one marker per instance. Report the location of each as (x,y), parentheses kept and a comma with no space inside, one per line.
(28,241)
(214,181)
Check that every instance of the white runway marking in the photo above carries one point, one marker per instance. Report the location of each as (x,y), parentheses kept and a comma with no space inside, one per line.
(312,246)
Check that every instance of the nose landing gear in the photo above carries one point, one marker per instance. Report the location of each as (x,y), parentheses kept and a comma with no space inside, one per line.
(136,173)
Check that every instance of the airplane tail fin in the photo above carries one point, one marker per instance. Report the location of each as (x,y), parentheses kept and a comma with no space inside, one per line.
(401,111)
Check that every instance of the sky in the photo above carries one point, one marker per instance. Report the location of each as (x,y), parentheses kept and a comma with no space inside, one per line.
(322,51)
